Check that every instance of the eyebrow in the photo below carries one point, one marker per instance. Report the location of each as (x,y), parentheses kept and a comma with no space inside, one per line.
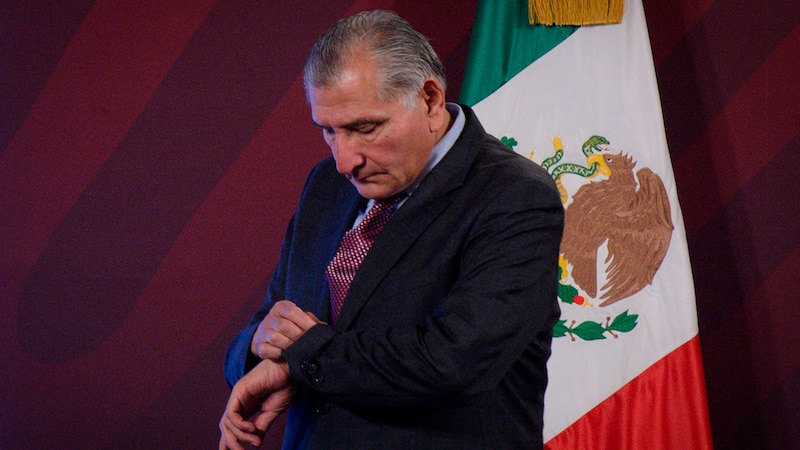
(353,125)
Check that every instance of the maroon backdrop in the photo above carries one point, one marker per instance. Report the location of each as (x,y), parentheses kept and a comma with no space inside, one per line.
(153,151)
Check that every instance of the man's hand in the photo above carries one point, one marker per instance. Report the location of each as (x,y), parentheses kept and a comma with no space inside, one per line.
(284,324)
(255,402)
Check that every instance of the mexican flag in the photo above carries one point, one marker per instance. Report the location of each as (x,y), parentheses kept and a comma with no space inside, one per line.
(582,101)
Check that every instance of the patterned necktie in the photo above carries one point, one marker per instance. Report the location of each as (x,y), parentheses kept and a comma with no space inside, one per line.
(353,249)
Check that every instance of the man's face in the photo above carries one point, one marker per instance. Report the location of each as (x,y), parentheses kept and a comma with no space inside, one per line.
(380,146)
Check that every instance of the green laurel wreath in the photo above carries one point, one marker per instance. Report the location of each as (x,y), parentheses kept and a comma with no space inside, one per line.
(592,331)
(589,331)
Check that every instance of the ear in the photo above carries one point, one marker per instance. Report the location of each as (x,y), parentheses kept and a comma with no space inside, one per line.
(433,94)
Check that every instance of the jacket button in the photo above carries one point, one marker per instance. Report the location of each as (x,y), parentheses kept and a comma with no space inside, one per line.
(309,366)
(318,379)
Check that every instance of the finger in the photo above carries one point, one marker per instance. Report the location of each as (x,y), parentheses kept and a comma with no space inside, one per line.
(282,333)
(272,345)
(264,420)
(258,337)
(233,434)
(269,351)
(271,321)
(297,316)
(223,445)
(232,418)
(314,318)
(228,440)
(277,322)
(272,407)
(273,330)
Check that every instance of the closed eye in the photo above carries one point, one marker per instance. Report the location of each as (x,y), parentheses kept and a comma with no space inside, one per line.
(364,127)
(361,127)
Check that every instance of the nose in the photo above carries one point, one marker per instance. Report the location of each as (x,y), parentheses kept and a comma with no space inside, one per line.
(346,153)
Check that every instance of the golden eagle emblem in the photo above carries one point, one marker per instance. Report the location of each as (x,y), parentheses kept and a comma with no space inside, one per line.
(632,219)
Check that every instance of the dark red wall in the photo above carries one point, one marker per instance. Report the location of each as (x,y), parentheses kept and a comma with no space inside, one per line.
(152,153)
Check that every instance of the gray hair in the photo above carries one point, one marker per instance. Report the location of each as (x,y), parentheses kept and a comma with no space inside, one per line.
(403,55)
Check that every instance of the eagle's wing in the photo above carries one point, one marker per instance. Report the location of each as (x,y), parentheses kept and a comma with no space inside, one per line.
(638,240)
(586,227)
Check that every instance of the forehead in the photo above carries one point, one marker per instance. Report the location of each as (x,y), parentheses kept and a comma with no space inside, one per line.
(354,95)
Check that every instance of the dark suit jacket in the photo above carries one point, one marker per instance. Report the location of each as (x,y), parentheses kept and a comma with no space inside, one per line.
(443,337)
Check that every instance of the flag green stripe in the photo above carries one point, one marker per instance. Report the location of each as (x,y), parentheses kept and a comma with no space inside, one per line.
(502,44)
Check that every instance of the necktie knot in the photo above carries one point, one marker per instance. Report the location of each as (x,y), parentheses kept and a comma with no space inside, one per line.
(379,215)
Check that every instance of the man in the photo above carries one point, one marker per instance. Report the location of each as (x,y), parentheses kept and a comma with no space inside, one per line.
(443,335)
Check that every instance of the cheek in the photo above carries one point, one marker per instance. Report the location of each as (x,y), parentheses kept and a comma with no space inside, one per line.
(383,152)
(401,152)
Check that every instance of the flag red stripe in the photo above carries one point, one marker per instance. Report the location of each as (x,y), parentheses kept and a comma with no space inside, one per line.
(663,408)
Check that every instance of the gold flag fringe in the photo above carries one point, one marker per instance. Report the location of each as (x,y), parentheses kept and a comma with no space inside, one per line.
(575,12)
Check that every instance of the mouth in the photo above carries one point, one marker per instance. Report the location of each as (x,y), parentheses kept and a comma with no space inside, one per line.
(362,179)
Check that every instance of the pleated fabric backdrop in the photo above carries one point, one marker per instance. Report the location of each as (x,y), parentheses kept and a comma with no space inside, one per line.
(153,152)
